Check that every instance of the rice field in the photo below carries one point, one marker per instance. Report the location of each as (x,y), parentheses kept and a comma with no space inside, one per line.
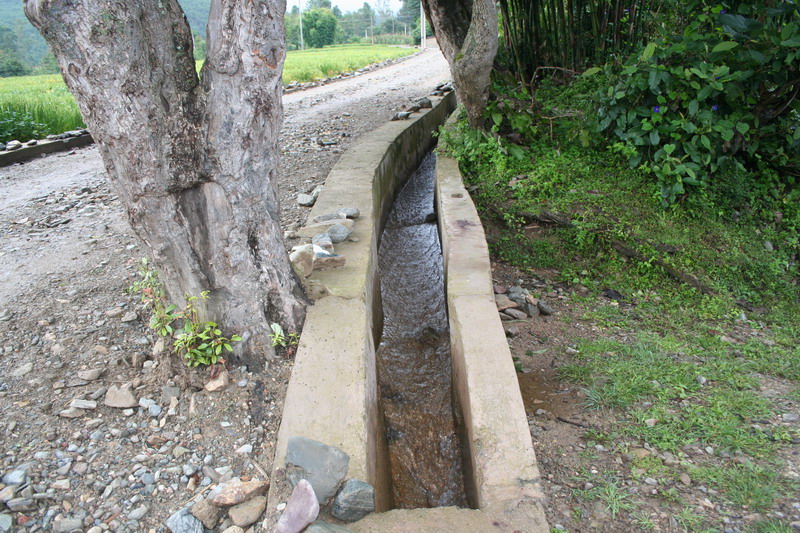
(32,107)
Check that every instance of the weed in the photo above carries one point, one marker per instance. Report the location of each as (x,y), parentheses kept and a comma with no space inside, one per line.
(688,519)
(771,526)
(279,338)
(643,520)
(747,484)
(615,497)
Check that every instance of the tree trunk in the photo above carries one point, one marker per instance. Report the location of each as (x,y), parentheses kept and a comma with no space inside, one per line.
(467,34)
(194,159)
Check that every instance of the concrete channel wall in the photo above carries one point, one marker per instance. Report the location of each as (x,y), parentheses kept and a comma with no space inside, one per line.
(333,395)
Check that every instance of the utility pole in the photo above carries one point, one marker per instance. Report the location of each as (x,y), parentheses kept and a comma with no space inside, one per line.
(422,43)
(302,45)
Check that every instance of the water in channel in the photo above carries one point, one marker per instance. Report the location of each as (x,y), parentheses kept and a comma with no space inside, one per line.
(414,370)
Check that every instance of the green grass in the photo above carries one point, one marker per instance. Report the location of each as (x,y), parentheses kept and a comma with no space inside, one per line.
(32,107)
(748,484)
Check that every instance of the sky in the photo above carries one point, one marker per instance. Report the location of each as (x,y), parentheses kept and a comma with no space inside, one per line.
(349,5)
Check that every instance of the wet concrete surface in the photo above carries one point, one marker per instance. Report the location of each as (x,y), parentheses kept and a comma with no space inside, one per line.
(414,367)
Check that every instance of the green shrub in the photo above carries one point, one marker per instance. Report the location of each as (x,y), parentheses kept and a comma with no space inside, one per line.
(716,100)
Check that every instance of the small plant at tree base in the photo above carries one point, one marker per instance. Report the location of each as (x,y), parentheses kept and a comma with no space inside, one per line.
(197,341)
(279,338)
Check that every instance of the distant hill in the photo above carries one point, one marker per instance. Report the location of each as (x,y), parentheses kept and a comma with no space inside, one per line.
(32,46)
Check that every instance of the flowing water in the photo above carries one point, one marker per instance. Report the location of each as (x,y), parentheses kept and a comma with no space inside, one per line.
(414,369)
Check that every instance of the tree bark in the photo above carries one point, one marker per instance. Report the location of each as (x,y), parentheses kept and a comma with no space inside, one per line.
(194,159)
(467,34)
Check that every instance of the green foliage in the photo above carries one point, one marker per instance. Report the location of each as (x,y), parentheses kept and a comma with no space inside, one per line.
(714,101)
(279,338)
(196,340)
(744,484)
(319,27)
(34,106)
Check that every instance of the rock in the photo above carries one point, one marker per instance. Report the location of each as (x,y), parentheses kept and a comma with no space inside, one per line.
(207,513)
(424,103)
(503,302)
(61,484)
(7,493)
(650,481)
(401,115)
(248,512)
(302,258)
(321,227)
(790,417)
(544,308)
(327,261)
(685,479)
(323,466)
(183,522)
(339,233)
(5,522)
(306,200)
(768,246)
(324,527)
(65,525)
(354,501)
(21,504)
(13,145)
(349,212)
(22,370)
(91,375)
(301,509)
(71,412)
(329,216)
(168,393)
(247,448)
(234,529)
(120,396)
(130,316)
(515,313)
(138,513)
(512,330)
(236,492)
(218,383)
(83,404)
(16,477)
(154,410)
(650,422)
(324,241)
(115,313)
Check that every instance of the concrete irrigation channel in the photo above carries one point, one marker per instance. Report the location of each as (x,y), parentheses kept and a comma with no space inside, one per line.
(481,473)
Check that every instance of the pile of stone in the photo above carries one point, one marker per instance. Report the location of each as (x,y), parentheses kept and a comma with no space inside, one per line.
(10,146)
(318,474)
(229,507)
(517,303)
(442,88)
(420,103)
(324,232)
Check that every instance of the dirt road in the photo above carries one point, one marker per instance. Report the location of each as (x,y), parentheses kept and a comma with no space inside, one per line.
(66,257)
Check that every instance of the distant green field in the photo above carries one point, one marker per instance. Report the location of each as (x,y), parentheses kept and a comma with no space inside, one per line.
(34,106)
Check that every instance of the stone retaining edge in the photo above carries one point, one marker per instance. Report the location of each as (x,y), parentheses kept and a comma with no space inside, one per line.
(43,147)
(500,453)
(332,394)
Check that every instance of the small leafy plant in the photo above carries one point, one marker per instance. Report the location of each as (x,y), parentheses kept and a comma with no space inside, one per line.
(279,338)
(197,341)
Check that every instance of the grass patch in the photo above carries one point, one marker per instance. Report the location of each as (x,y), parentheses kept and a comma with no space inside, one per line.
(754,486)
(614,496)
(32,107)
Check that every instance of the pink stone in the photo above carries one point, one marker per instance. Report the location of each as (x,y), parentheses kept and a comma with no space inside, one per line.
(301,509)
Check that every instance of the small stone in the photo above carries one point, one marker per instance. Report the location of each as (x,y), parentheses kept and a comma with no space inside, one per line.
(5,522)
(328,261)
(21,504)
(424,103)
(91,375)
(154,410)
(178,451)
(168,393)
(61,484)
(354,501)
(768,246)
(650,481)
(16,477)
(701,380)
(120,397)
(339,233)
(516,314)
(71,412)
(640,453)
(324,241)
(322,227)
(234,529)
(545,308)
(503,302)
(247,448)
(65,525)
(349,212)
(7,493)
(218,383)
(115,312)
(685,479)
(790,417)
(248,512)
(401,115)
(13,145)
(183,522)
(138,513)
(236,492)
(130,316)
(83,404)
(306,200)
(651,422)
(207,513)
(325,467)
(301,509)
(22,370)
(302,259)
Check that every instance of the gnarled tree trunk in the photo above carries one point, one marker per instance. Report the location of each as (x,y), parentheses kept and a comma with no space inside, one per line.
(194,159)
(467,34)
